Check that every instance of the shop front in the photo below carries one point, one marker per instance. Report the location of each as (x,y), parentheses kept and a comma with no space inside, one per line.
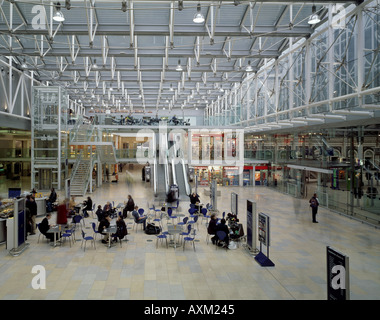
(224,175)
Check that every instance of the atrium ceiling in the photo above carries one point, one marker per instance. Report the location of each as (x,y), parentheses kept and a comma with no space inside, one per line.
(127,54)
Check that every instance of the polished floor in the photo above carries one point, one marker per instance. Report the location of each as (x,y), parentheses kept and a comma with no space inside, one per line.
(138,270)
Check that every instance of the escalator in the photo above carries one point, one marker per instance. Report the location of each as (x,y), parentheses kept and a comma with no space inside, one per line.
(161,172)
(179,174)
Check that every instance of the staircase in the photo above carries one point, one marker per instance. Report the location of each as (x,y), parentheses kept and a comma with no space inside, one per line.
(80,176)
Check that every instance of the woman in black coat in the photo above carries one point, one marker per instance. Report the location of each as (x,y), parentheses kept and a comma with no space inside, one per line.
(130,206)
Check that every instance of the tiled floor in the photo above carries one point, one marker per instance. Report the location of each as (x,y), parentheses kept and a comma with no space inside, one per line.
(140,271)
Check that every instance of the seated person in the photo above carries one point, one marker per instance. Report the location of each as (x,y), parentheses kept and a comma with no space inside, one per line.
(211,229)
(222,227)
(137,217)
(52,198)
(99,213)
(72,206)
(121,229)
(107,208)
(104,224)
(194,198)
(44,227)
(88,206)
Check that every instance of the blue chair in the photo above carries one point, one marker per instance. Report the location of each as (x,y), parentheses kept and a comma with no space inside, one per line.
(161,237)
(85,239)
(182,234)
(68,234)
(170,214)
(191,212)
(176,208)
(183,222)
(189,238)
(159,220)
(221,237)
(77,220)
(141,211)
(94,228)
(194,221)
(155,210)
(205,216)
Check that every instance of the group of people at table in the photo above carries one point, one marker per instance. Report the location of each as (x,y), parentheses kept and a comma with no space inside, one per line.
(105,215)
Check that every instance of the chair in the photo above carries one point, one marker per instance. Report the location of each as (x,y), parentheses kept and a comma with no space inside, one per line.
(141,211)
(77,220)
(92,210)
(189,239)
(221,236)
(159,220)
(182,234)
(170,214)
(38,227)
(94,228)
(68,234)
(176,208)
(194,221)
(205,216)
(161,237)
(191,212)
(85,239)
(155,210)
(135,223)
(183,222)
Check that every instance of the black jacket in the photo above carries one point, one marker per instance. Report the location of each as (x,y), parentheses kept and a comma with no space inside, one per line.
(130,206)
(88,204)
(103,224)
(44,226)
(212,227)
(222,227)
(32,206)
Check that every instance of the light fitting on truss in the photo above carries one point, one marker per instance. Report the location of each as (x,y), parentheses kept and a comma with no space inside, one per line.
(198,17)
(58,16)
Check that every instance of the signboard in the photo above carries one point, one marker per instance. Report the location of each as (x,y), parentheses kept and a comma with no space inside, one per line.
(251,225)
(234,203)
(263,221)
(337,275)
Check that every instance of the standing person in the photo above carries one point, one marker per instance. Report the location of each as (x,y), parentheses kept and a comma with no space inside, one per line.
(99,213)
(211,229)
(130,205)
(32,206)
(314,203)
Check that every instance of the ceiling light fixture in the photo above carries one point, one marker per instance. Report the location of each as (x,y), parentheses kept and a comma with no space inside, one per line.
(249,67)
(124,6)
(179,67)
(314,18)
(180,5)
(95,66)
(24,65)
(198,17)
(58,16)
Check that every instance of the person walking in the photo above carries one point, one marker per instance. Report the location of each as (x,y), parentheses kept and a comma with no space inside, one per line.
(314,203)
